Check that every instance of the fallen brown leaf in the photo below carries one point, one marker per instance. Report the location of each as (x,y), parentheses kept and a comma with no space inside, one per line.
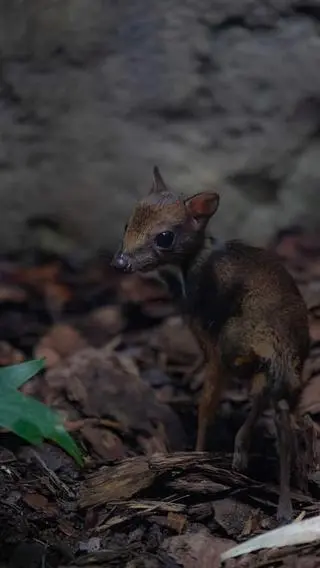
(66,527)
(39,503)
(52,358)
(56,296)
(176,522)
(233,516)
(9,355)
(196,549)
(61,339)
(38,276)
(104,442)
(103,385)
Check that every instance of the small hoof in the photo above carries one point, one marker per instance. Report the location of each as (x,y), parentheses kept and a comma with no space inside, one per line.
(240,461)
(284,513)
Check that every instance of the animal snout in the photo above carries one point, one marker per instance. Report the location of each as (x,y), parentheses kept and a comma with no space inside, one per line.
(122,261)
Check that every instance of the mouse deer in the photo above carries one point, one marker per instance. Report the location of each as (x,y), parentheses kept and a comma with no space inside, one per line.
(242,305)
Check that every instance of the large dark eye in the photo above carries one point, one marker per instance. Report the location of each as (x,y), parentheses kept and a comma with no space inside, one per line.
(164,240)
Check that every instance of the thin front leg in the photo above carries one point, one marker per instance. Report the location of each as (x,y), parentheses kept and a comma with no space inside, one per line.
(243,437)
(285,446)
(210,397)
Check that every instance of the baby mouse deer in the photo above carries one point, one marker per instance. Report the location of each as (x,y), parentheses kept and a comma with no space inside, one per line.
(242,306)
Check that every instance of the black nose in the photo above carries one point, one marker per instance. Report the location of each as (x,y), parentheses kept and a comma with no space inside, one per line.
(122,262)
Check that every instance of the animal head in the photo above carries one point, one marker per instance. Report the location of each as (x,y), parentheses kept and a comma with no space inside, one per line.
(164,228)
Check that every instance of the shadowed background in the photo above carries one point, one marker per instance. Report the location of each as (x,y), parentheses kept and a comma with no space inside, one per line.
(222,93)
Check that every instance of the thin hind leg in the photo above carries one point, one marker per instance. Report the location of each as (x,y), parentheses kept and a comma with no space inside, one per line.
(285,448)
(210,397)
(243,437)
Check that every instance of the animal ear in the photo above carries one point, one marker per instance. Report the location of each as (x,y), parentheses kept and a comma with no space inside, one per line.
(202,205)
(158,185)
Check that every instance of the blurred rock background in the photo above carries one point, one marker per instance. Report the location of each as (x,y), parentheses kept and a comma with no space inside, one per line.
(221,93)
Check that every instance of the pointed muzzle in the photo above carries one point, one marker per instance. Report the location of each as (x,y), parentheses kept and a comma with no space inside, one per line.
(122,262)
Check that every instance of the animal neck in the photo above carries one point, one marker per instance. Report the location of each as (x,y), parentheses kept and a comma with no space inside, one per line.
(177,276)
(199,256)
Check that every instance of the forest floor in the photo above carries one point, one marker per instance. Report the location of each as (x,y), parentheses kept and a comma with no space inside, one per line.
(125,373)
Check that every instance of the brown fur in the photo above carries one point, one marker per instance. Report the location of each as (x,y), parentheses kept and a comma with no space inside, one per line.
(148,220)
(243,307)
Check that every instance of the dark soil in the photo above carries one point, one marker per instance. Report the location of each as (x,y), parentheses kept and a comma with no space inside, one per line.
(126,373)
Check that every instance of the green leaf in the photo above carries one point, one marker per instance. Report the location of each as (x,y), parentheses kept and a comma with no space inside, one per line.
(27,417)
(15,376)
